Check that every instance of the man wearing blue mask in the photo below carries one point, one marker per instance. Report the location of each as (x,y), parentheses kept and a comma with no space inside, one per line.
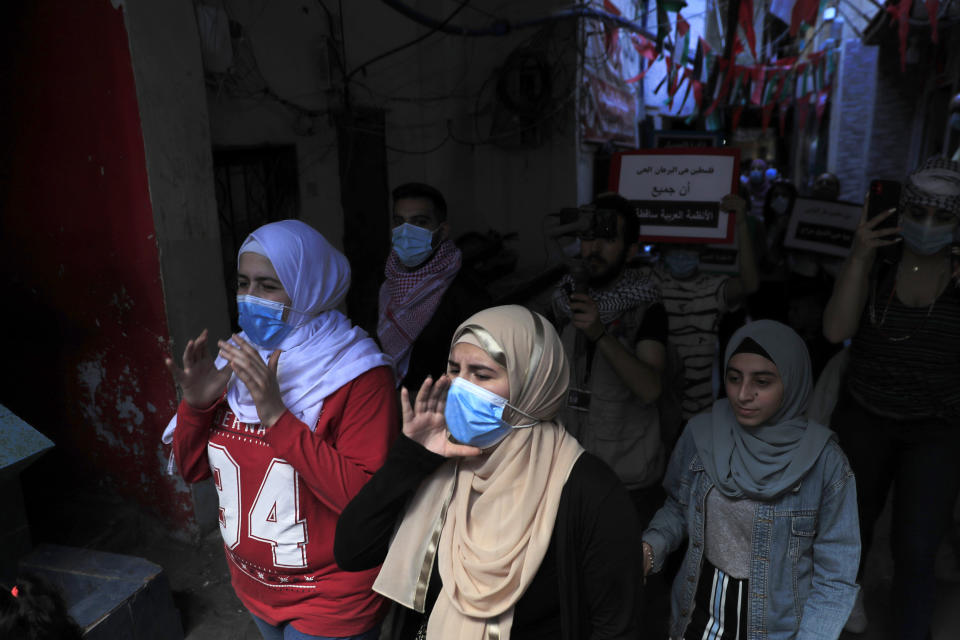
(695,302)
(425,295)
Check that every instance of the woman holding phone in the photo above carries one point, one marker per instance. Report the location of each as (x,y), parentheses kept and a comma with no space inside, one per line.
(898,414)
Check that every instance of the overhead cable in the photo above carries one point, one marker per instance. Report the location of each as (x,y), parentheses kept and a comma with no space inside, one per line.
(502,26)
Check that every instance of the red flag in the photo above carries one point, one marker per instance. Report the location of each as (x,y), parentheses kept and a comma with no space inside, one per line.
(683,27)
(901,12)
(767,112)
(609,7)
(706,47)
(932,7)
(803,11)
(644,47)
(746,21)
(737,48)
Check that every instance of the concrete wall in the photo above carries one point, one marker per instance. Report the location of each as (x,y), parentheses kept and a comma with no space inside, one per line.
(165,55)
(84,326)
(896,101)
(436,129)
(288,42)
(877,115)
(851,117)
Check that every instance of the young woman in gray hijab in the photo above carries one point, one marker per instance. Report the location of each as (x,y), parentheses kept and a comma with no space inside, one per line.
(767,501)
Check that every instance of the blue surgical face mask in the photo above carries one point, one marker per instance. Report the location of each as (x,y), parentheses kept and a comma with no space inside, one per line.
(475,415)
(682,264)
(925,239)
(413,244)
(262,320)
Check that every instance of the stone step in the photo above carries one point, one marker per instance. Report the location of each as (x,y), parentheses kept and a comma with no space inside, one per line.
(111,596)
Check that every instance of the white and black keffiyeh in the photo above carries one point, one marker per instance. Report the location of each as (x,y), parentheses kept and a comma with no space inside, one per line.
(634,288)
(936,184)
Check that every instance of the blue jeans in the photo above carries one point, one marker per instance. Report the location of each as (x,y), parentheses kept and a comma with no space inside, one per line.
(286,631)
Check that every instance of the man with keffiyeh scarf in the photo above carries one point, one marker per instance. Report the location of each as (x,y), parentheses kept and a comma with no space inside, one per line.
(614,334)
(425,295)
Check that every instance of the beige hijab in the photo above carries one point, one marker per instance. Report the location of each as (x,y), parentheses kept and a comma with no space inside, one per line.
(488,520)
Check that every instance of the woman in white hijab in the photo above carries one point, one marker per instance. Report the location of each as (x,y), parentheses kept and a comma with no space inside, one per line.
(502,527)
(767,501)
(292,419)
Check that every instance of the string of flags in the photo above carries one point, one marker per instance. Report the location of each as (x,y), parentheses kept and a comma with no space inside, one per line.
(803,82)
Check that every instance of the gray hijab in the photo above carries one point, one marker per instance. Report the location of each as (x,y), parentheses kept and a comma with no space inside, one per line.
(761,463)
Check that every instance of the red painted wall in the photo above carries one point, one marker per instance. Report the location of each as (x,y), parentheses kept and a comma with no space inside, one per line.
(84,325)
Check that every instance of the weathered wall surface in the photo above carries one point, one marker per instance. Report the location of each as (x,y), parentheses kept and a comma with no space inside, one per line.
(84,324)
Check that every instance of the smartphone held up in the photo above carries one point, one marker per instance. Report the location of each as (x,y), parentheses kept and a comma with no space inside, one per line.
(883,196)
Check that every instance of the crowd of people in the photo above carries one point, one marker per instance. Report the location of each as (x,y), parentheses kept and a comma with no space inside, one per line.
(496,472)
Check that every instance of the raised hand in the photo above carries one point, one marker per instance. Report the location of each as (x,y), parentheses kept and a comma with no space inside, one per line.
(424,422)
(586,316)
(260,377)
(200,380)
(868,238)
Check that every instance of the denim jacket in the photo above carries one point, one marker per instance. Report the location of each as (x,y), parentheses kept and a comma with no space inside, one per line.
(806,547)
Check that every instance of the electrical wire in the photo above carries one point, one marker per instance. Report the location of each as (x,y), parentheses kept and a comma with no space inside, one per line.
(419,152)
(502,26)
(418,39)
(340,62)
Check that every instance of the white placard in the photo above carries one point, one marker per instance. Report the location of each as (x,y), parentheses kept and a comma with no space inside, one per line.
(677,195)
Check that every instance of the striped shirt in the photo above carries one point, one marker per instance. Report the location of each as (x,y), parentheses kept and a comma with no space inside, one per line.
(694,308)
(905,361)
(719,606)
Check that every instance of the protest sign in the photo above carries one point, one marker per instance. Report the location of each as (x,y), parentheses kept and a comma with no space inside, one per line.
(823,226)
(721,258)
(693,139)
(676,193)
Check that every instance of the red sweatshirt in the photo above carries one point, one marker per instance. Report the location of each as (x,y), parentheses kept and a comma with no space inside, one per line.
(281,491)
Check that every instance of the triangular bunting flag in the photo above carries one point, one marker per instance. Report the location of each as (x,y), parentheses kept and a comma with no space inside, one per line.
(745,19)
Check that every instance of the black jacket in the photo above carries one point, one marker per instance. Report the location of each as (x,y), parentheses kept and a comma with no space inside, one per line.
(589,583)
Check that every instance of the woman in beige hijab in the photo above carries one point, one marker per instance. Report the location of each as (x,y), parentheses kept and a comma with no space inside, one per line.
(490,521)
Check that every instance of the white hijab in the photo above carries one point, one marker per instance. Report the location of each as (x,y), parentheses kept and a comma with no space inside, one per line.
(324,351)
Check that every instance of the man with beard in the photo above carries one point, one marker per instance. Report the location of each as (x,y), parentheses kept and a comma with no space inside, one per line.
(614,328)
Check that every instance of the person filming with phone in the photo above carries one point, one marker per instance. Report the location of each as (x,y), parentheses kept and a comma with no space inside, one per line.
(898,414)
(614,328)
